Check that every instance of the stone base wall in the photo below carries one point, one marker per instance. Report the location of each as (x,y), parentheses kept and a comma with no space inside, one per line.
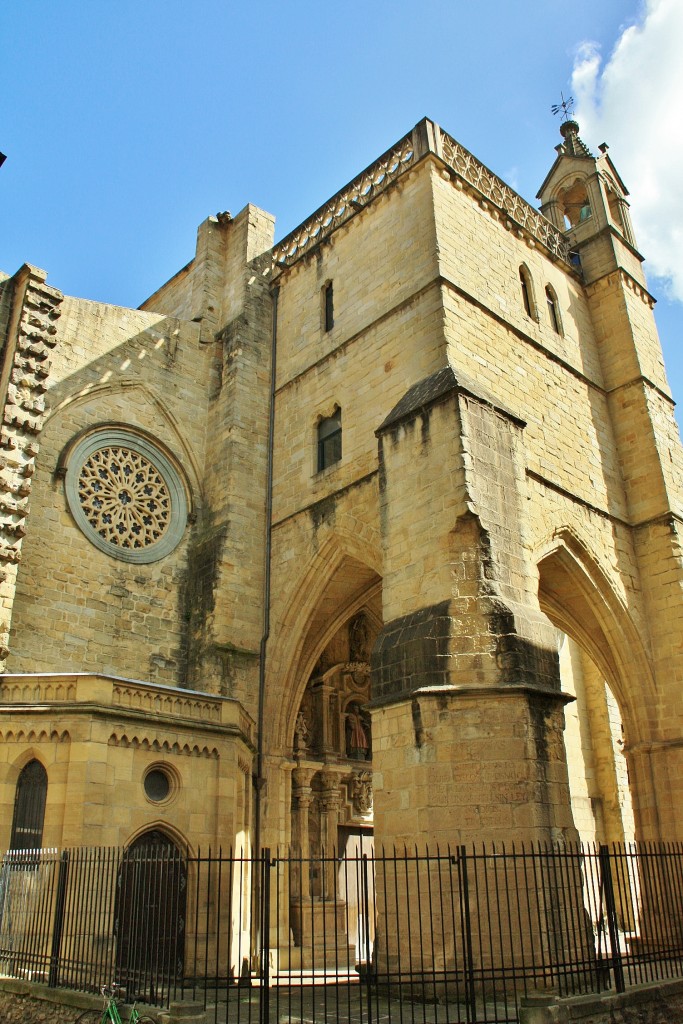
(659,1003)
(23,1003)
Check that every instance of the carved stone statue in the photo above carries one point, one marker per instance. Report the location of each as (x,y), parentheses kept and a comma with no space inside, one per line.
(301,733)
(359,639)
(357,742)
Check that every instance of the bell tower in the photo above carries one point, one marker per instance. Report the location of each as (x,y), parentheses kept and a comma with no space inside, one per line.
(585,197)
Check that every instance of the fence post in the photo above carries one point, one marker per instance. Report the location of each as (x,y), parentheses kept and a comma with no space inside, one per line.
(612,923)
(366,918)
(466,925)
(264,979)
(58,925)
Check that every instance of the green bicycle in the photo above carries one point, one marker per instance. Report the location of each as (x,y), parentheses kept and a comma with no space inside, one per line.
(110,1013)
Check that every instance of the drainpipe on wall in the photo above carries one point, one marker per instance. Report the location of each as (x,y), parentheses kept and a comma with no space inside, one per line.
(259,776)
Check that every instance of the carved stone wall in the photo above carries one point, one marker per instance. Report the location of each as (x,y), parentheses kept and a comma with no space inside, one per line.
(30,337)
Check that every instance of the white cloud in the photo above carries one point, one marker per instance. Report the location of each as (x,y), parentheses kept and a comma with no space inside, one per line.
(634,101)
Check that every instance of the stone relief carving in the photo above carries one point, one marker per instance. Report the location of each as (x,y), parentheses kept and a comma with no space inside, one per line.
(361,792)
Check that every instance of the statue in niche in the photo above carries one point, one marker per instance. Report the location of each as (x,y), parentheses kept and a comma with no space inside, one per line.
(301,733)
(359,639)
(357,734)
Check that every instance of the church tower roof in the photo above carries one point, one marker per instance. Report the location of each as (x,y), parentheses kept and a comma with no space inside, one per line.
(573,145)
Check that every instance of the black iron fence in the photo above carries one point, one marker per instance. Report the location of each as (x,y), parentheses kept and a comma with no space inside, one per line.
(455,935)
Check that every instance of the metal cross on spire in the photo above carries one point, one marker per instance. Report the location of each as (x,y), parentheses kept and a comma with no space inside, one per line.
(566,106)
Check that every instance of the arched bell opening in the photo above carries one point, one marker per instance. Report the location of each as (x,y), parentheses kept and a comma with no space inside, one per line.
(575,204)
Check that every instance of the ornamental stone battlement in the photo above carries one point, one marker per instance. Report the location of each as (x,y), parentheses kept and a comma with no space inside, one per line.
(426,137)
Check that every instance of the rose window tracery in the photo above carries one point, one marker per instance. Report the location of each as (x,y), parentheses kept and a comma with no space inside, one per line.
(126,496)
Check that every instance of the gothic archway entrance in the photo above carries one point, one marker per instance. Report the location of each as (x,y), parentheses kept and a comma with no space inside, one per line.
(598,656)
(331,811)
(150,915)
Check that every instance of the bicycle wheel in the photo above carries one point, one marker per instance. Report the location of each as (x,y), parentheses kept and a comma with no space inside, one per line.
(89,1017)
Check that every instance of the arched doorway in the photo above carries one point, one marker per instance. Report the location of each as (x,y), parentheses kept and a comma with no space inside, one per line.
(150,916)
(29,807)
(331,812)
(594,740)
(601,663)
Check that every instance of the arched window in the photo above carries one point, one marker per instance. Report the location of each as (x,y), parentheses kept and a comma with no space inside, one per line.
(329,440)
(553,310)
(527,292)
(29,808)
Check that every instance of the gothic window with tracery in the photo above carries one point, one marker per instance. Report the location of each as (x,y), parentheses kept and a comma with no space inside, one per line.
(126,496)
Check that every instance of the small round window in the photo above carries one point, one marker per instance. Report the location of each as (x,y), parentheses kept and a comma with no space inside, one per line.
(126,496)
(157,785)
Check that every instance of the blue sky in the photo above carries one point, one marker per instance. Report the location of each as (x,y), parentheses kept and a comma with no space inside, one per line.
(126,124)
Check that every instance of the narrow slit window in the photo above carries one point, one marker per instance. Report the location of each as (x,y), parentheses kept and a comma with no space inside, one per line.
(329,440)
(29,808)
(553,313)
(526,291)
(328,306)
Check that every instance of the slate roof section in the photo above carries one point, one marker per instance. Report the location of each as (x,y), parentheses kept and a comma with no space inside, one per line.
(432,389)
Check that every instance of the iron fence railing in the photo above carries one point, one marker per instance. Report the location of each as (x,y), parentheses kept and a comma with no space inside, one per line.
(454,935)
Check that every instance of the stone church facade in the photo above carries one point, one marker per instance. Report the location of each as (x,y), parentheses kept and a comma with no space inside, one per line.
(372,530)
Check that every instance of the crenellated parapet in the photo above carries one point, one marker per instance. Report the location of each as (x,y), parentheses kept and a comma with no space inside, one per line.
(31,337)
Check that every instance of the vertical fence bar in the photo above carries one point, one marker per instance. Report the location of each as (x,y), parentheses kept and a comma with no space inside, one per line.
(58,925)
(264,1008)
(612,923)
(366,935)
(466,926)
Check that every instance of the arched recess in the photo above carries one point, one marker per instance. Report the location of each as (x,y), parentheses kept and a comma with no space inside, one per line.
(323,644)
(603,663)
(323,731)
(150,913)
(341,579)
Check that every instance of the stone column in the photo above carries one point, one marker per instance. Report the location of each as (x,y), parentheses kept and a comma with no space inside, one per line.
(302,795)
(330,801)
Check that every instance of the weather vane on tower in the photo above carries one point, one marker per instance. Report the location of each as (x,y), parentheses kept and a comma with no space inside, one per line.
(566,106)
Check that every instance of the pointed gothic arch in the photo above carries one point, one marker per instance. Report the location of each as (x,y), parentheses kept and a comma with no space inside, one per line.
(336,584)
(578,597)
(611,659)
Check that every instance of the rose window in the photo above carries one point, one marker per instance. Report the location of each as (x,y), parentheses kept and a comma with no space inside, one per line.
(126,496)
